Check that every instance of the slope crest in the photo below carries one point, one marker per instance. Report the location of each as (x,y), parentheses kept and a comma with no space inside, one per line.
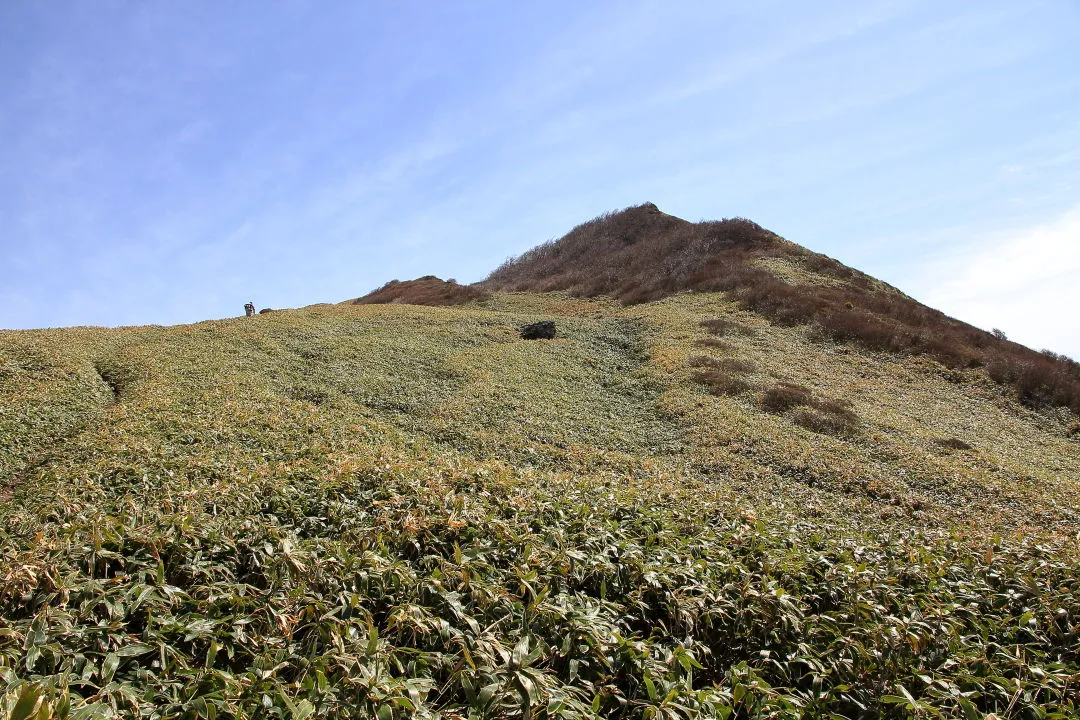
(637,255)
(427,290)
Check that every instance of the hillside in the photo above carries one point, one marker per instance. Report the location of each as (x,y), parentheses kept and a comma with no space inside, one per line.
(428,290)
(688,504)
(643,254)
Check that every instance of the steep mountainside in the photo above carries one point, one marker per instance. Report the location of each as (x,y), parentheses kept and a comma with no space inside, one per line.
(643,254)
(688,504)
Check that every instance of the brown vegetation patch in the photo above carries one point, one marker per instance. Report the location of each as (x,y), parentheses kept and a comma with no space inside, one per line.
(824,415)
(721,382)
(953,443)
(713,343)
(738,366)
(828,422)
(428,290)
(723,326)
(784,397)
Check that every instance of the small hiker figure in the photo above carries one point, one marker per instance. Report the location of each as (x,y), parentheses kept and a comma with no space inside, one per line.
(249,309)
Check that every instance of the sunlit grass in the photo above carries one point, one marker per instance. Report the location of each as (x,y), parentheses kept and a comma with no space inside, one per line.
(398,511)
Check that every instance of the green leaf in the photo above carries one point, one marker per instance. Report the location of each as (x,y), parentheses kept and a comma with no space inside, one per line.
(108,669)
(520,652)
(373,638)
(527,686)
(970,711)
(134,650)
(36,636)
(32,656)
(28,703)
(302,710)
(650,688)
(486,694)
(93,711)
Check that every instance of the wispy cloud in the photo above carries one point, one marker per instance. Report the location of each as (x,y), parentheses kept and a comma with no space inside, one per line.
(1022,281)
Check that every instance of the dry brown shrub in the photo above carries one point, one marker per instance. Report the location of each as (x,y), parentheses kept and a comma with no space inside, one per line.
(733,365)
(1038,379)
(713,343)
(723,326)
(785,396)
(829,423)
(720,382)
(428,290)
(638,255)
(952,443)
(703,361)
(869,330)
(832,405)
(831,416)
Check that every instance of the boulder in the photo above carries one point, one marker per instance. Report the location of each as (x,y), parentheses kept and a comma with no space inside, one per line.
(543,330)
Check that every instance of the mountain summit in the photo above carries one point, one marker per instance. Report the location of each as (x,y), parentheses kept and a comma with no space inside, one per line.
(639,254)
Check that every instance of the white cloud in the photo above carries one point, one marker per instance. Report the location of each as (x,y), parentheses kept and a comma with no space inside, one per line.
(1025,282)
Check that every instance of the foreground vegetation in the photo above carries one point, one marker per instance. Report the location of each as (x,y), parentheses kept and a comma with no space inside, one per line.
(399,511)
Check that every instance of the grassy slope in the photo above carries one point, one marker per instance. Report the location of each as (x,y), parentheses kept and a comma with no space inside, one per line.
(641,254)
(347,510)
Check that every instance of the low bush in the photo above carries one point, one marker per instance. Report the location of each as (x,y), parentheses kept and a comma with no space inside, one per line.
(824,415)
(828,422)
(869,330)
(721,382)
(730,365)
(723,326)
(703,361)
(713,344)
(784,397)
(305,393)
(953,443)
(1038,379)
(734,365)
(832,405)
(428,290)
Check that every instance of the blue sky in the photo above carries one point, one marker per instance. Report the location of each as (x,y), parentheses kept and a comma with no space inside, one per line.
(167,162)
